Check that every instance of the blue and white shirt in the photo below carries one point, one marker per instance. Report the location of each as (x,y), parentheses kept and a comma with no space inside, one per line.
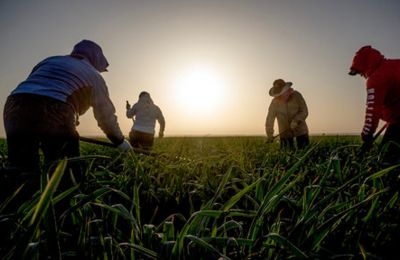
(76,82)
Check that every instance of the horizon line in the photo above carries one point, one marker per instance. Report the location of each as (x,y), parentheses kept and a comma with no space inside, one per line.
(222,135)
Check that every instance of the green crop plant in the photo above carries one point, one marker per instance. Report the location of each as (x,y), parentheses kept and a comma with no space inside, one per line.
(210,198)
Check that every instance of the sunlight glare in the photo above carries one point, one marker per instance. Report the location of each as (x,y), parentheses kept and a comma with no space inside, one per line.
(200,90)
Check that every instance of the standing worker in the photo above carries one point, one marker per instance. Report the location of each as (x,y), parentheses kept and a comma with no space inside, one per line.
(144,114)
(290,109)
(383,98)
(42,112)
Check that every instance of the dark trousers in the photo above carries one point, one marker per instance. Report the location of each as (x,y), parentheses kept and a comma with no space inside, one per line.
(391,144)
(34,123)
(141,140)
(302,142)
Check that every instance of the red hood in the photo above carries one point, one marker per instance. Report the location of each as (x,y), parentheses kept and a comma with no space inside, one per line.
(366,60)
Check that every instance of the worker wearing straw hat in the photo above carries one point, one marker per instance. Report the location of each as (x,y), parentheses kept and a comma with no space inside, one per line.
(290,109)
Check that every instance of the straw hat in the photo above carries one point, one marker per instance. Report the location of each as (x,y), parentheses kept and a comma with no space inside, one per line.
(279,87)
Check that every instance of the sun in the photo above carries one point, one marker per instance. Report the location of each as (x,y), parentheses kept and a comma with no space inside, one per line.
(200,90)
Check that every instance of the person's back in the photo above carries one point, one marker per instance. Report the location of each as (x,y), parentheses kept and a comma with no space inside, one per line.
(386,83)
(73,84)
(144,114)
(75,80)
(41,113)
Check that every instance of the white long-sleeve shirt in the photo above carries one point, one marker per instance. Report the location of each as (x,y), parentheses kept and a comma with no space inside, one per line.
(145,114)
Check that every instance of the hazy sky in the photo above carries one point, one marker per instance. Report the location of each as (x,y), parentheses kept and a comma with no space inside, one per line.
(209,64)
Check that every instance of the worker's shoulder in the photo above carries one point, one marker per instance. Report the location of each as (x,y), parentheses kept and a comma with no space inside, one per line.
(385,74)
(68,61)
(297,94)
(156,107)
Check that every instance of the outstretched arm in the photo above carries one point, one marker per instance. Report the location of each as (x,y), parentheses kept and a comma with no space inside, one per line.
(269,122)
(104,112)
(374,102)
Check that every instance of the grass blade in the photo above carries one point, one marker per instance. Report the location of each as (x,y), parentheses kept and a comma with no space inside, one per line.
(48,192)
(289,245)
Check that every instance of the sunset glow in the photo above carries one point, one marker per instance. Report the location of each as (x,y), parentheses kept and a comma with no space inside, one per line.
(199,90)
(208,64)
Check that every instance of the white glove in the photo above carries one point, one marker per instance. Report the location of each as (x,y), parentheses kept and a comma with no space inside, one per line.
(293,125)
(125,146)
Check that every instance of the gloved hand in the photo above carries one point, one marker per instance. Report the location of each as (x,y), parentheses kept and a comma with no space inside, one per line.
(270,139)
(125,146)
(367,138)
(293,125)
(161,134)
(128,106)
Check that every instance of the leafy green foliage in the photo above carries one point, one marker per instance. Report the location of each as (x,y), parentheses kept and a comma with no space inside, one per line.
(209,198)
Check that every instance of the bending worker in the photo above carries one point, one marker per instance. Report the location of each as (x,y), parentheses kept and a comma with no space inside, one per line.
(42,112)
(289,108)
(383,98)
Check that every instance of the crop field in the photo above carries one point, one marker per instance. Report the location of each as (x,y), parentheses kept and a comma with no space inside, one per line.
(208,198)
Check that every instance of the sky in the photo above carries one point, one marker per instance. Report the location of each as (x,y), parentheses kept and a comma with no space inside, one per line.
(208,64)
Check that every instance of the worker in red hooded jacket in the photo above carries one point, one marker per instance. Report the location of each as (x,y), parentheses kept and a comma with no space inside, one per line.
(383,98)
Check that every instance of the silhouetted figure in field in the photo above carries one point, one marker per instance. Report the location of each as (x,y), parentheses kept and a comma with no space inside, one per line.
(383,103)
(42,112)
(383,98)
(290,109)
(144,114)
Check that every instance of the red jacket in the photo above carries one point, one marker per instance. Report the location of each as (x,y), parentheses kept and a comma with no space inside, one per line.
(383,87)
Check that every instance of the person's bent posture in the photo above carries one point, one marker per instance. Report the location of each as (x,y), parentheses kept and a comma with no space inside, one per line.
(42,112)
(290,109)
(383,98)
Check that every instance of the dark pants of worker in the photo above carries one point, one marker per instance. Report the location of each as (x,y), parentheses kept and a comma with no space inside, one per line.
(34,122)
(302,142)
(391,144)
(141,140)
